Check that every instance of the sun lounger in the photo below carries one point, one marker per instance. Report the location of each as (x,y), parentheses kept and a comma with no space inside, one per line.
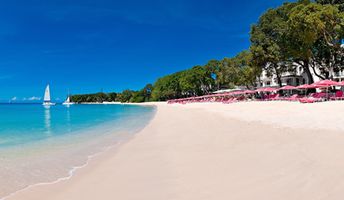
(315,97)
(231,100)
(275,97)
(338,96)
(295,97)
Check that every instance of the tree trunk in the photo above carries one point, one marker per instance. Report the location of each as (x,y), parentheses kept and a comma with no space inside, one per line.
(318,75)
(278,75)
(308,72)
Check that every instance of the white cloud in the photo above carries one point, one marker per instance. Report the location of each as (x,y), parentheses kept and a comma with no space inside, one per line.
(34,98)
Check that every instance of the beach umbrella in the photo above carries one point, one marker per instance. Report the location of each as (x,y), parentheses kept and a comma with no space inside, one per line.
(326,83)
(240,92)
(314,85)
(249,91)
(269,89)
(288,87)
(305,86)
(234,93)
(260,90)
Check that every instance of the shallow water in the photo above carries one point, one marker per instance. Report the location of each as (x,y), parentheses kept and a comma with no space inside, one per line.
(41,145)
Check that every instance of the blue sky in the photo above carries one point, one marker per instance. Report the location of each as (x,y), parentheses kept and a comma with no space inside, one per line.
(89,45)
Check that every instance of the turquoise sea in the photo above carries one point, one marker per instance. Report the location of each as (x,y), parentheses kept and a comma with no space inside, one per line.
(44,144)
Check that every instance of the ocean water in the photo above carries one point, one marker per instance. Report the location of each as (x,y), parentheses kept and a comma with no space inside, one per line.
(44,145)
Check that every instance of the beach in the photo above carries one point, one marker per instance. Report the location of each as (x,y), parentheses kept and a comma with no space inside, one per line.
(214,151)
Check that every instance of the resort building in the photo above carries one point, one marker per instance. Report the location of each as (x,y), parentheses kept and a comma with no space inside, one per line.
(296,78)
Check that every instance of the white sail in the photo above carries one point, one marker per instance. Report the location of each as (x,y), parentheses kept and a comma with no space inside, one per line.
(67,100)
(47,94)
(47,100)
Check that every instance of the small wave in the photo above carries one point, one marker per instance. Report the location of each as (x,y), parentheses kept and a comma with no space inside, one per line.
(70,173)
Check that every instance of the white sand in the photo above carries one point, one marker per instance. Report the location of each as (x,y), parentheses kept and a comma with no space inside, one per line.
(255,150)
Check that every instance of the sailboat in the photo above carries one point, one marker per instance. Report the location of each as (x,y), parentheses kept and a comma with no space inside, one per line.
(47,99)
(68,102)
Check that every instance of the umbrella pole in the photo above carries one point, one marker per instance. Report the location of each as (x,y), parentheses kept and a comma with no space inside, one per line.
(327,95)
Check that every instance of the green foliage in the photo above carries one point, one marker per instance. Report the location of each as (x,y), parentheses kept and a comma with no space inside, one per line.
(320,29)
(304,33)
(339,3)
(193,82)
(269,44)
(97,97)
(125,96)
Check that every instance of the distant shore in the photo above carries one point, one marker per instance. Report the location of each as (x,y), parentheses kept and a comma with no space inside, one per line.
(212,151)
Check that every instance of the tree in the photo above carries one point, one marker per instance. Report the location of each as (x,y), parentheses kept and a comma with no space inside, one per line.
(268,42)
(248,72)
(339,3)
(213,67)
(125,96)
(147,92)
(315,33)
(299,34)
(166,88)
(112,96)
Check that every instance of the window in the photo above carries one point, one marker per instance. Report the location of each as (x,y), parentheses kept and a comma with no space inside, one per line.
(297,81)
(268,83)
(289,81)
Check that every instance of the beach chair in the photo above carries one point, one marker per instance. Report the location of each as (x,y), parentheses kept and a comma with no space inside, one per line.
(231,100)
(294,97)
(315,97)
(338,96)
(275,97)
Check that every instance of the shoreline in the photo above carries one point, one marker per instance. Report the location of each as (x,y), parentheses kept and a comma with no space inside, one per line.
(71,172)
(164,163)
(121,137)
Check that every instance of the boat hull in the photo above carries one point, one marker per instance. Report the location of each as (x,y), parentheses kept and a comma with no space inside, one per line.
(67,104)
(48,104)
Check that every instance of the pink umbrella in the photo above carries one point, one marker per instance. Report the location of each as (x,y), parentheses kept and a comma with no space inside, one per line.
(326,83)
(288,87)
(249,91)
(269,89)
(235,93)
(314,85)
(305,86)
(260,90)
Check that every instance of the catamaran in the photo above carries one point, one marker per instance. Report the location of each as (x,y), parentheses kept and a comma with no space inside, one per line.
(47,99)
(68,102)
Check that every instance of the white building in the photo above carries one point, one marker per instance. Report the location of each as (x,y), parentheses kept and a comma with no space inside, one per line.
(299,77)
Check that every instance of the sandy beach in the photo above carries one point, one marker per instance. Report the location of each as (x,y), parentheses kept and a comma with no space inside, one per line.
(213,151)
